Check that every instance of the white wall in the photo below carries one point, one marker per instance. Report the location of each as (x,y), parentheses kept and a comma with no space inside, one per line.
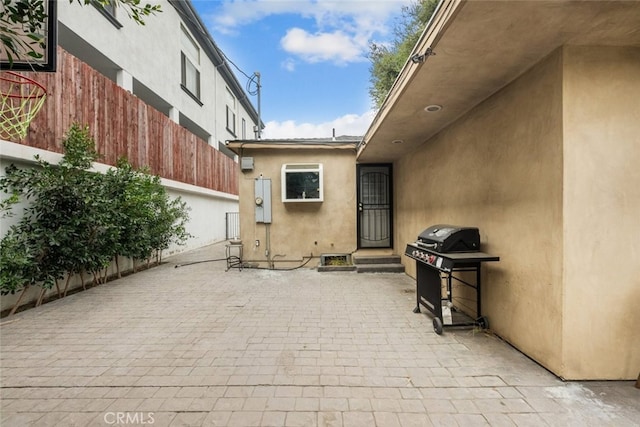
(207,215)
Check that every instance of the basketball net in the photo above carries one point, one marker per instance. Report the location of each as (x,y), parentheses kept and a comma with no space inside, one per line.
(20,100)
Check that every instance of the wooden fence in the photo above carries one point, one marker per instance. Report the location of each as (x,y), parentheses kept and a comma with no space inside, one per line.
(123,125)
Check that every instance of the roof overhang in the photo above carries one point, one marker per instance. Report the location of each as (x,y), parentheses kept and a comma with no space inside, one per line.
(480,47)
(237,146)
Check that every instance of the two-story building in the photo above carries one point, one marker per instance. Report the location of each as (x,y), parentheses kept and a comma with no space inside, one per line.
(172,63)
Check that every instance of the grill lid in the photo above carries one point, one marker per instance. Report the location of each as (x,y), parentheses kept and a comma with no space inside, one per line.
(450,238)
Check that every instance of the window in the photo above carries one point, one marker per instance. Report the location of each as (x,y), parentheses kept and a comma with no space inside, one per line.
(231,112)
(244,129)
(108,10)
(189,61)
(190,77)
(231,121)
(302,182)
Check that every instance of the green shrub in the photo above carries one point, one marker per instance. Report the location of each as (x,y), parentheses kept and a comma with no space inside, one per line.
(78,221)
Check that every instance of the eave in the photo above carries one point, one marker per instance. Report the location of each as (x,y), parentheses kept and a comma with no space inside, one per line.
(480,47)
(237,146)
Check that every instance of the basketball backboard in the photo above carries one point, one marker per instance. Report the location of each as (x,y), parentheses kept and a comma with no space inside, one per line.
(24,62)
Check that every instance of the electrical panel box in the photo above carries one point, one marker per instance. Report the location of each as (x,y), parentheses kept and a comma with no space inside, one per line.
(263,200)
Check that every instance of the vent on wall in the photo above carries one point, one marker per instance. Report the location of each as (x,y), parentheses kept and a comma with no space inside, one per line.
(246,163)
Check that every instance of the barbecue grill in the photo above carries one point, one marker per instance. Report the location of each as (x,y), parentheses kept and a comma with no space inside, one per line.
(443,253)
(450,238)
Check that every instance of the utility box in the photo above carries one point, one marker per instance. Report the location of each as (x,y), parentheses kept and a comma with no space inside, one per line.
(262,200)
(246,164)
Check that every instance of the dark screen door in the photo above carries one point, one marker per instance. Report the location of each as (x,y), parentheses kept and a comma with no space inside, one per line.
(374,206)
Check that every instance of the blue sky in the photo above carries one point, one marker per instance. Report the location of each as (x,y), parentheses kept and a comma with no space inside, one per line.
(311,55)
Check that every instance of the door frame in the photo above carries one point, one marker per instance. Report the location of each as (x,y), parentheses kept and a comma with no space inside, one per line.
(359,167)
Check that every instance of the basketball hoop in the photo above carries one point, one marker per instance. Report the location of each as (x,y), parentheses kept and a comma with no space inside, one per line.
(20,100)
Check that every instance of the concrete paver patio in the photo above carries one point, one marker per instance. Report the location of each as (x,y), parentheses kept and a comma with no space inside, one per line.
(196,345)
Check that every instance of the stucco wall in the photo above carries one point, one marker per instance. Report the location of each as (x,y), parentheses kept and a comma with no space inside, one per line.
(601,213)
(547,169)
(300,229)
(500,168)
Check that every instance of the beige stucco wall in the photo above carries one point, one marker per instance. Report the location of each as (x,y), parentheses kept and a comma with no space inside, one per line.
(300,229)
(547,169)
(500,168)
(601,307)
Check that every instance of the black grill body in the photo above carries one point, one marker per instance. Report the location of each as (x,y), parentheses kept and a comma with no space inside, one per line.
(450,238)
(444,255)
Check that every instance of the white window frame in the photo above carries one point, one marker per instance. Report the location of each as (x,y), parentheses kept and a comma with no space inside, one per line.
(292,168)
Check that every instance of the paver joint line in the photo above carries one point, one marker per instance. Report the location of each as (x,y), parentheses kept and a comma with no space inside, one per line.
(275,348)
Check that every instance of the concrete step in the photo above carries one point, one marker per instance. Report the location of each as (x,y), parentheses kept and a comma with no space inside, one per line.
(380,268)
(376,259)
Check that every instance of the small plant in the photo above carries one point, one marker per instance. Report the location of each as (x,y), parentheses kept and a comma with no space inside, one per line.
(336,260)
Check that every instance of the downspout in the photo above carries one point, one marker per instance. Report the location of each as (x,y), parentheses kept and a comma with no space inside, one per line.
(267,251)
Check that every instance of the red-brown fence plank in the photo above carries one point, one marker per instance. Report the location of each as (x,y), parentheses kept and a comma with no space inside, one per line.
(123,125)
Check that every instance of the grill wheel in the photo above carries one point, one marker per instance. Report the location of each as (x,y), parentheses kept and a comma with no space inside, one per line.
(437,325)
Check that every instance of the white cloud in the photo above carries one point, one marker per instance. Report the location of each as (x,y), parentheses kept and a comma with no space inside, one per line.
(336,46)
(342,28)
(350,124)
(235,13)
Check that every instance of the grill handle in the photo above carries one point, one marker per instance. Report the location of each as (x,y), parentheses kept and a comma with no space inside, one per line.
(428,245)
